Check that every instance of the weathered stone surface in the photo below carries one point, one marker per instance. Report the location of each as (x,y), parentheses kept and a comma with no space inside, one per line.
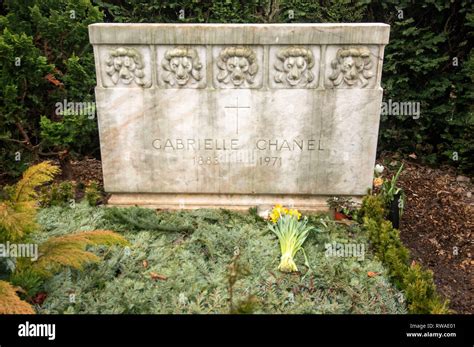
(237,115)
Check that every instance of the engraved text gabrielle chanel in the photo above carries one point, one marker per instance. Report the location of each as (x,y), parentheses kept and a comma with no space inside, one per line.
(182,144)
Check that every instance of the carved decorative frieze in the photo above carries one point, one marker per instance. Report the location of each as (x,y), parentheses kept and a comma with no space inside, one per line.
(352,67)
(125,65)
(242,67)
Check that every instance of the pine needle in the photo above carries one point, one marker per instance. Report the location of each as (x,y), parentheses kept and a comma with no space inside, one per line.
(18,214)
(32,178)
(69,250)
(136,218)
(16,221)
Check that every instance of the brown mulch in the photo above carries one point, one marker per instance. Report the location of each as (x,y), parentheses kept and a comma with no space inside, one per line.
(438,227)
(86,170)
(82,172)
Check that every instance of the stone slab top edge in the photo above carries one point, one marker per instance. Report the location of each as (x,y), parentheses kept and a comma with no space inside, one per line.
(264,34)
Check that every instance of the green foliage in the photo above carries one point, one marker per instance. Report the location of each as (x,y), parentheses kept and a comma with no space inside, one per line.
(421,292)
(64,193)
(232,11)
(28,280)
(373,207)
(393,195)
(17,225)
(57,194)
(195,11)
(23,89)
(92,193)
(323,11)
(236,271)
(45,57)
(389,187)
(136,218)
(18,210)
(195,269)
(246,306)
(416,283)
(69,251)
(418,66)
(388,248)
(67,132)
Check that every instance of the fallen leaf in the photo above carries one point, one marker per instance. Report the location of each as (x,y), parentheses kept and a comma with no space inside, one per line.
(372,274)
(155,276)
(339,216)
(39,298)
(461,178)
(413,156)
(145,263)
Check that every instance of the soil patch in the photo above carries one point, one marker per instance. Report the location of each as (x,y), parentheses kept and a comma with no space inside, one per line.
(437,226)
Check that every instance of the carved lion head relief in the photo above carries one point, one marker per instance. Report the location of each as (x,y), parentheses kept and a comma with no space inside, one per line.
(182,65)
(294,66)
(352,66)
(125,65)
(237,65)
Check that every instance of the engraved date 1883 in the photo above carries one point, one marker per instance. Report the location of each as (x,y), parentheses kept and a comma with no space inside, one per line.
(267,161)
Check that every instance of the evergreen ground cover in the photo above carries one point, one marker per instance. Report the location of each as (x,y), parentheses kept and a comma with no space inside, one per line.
(211,261)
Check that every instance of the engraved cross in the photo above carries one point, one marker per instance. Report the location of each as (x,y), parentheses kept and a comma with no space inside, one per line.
(237,108)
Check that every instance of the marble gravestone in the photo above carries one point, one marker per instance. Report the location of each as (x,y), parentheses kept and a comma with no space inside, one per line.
(237,115)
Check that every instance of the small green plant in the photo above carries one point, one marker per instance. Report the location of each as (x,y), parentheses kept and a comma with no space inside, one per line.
(28,280)
(420,292)
(389,190)
(388,248)
(416,283)
(291,234)
(57,194)
(92,193)
(63,194)
(373,207)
